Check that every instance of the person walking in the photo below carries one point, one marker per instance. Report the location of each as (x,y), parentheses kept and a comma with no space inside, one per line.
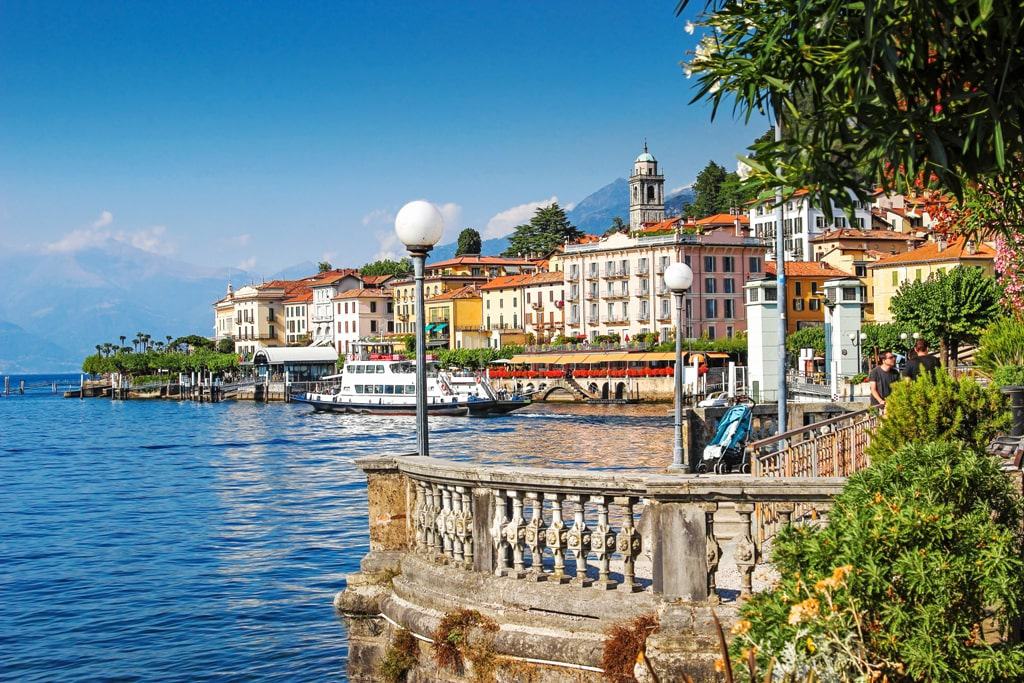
(881,378)
(920,360)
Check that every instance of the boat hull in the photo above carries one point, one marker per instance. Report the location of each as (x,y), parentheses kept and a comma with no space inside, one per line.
(322,406)
(494,408)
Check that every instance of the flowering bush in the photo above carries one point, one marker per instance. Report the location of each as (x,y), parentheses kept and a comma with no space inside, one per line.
(915,578)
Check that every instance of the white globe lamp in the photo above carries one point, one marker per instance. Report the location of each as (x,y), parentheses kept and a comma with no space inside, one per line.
(678,277)
(419,225)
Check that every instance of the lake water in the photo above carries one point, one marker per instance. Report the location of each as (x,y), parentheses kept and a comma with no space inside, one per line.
(178,541)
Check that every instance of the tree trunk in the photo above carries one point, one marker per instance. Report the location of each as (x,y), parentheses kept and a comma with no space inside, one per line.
(944,353)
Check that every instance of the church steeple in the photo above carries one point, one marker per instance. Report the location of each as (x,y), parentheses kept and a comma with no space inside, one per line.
(646,191)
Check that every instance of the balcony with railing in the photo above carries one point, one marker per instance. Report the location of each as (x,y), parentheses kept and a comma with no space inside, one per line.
(593,275)
(643,316)
(665,314)
(572,296)
(642,269)
(617,294)
(616,273)
(617,319)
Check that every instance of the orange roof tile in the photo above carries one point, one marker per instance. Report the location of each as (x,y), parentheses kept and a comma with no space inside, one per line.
(465,292)
(363,293)
(955,251)
(807,269)
(330,277)
(376,279)
(722,219)
(858,234)
(475,260)
(508,281)
(301,298)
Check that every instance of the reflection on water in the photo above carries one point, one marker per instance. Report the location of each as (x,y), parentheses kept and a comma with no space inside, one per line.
(178,541)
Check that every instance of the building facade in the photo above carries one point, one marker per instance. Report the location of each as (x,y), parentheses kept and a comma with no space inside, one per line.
(936,256)
(453,319)
(515,306)
(805,291)
(327,286)
(801,223)
(361,314)
(296,318)
(614,285)
(448,276)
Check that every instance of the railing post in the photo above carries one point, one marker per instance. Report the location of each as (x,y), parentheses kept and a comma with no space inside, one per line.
(679,551)
(555,538)
(713,552)
(387,504)
(745,552)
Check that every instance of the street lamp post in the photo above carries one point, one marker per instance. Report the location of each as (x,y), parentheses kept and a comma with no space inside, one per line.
(419,226)
(678,278)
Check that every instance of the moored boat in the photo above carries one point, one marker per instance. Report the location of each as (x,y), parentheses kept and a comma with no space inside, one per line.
(388,387)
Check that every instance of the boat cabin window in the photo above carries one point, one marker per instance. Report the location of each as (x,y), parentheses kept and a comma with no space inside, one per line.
(359,388)
(389,388)
(380,369)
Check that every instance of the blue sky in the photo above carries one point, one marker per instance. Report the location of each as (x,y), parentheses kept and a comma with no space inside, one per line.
(262,134)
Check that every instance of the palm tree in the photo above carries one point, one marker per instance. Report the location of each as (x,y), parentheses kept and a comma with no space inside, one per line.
(122,340)
(145,341)
(99,350)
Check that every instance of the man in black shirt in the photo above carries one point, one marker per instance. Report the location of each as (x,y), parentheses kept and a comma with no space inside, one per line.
(881,378)
(921,360)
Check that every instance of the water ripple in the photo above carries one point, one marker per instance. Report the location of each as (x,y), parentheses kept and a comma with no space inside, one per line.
(148,541)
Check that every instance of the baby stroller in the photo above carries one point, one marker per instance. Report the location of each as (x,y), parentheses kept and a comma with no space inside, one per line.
(727,451)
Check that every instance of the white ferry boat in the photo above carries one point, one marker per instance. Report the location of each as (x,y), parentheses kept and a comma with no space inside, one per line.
(388,387)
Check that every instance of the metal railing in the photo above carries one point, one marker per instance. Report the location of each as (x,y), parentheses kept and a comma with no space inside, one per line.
(832,448)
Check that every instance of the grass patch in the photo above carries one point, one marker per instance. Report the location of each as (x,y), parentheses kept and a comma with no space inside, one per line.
(623,644)
(400,657)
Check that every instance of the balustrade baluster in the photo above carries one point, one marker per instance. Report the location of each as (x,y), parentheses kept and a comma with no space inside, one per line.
(714,550)
(501,546)
(418,517)
(514,533)
(602,542)
(446,523)
(579,540)
(463,521)
(627,544)
(555,538)
(534,536)
(745,552)
(437,542)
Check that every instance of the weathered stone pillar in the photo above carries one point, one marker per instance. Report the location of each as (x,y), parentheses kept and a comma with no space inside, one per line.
(484,558)
(679,550)
(388,503)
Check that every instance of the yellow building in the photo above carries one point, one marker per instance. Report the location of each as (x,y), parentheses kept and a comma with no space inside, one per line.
(852,251)
(517,305)
(805,291)
(453,319)
(937,256)
(450,275)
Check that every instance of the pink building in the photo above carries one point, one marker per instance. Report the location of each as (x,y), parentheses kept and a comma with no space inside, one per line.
(361,314)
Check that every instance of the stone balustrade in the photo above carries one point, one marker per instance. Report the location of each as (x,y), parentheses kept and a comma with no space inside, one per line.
(630,533)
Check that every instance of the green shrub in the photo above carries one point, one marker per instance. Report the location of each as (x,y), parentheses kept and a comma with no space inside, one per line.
(939,408)
(1001,344)
(916,577)
(1009,376)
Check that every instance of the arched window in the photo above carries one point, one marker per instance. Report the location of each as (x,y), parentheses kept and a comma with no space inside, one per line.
(650,193)
(635,195)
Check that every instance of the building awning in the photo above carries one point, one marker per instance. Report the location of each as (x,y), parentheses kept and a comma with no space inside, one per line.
(717,354)
(654,356)
(277,355)
(534,358)
(440,326)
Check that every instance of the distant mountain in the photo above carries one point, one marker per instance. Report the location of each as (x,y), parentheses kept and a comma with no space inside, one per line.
(300,270)
(75,300)
(491,247)
(23,352)
(593,214)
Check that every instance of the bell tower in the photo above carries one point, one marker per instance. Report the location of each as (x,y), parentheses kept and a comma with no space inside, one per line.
(646,192)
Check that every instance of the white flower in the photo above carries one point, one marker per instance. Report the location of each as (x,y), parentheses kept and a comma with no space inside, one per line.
(689,27)
(688,70)
(715,87)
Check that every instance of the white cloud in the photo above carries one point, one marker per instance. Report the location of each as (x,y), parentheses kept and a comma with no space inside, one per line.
(388,244)
(452,213)
(247,264)
(569,207)
(243,240)
(503,222)
(378,216)
(105,219)
(677,190)
(151,239)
